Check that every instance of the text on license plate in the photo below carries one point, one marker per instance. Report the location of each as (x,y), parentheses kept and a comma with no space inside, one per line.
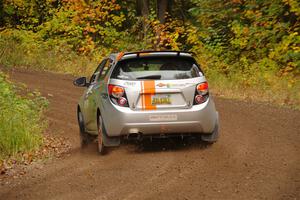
(155,118)
(160,99)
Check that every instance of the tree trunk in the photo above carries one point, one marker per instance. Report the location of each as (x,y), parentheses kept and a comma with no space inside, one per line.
(162,7)
(142,8)
(1,13)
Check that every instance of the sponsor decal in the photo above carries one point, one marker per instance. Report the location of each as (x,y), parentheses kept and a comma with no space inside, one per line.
(157,118)
(161,84)
(169,85)
(130,84)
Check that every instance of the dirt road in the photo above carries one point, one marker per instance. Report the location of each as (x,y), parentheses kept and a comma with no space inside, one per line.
(257,157)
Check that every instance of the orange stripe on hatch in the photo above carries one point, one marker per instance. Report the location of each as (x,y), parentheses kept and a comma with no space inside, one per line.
(148,92)
(142,95)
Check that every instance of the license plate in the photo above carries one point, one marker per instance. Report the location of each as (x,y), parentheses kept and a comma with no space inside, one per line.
(161,100)
(155,118)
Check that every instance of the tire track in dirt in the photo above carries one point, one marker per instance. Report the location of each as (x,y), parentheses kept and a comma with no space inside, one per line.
(257,156)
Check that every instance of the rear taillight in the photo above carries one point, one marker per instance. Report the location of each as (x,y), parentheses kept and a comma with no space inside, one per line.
(201,93)
(117,95)
(202,88)
(116,91)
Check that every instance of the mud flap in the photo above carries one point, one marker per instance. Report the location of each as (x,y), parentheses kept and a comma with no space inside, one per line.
(213,137)
(110,141)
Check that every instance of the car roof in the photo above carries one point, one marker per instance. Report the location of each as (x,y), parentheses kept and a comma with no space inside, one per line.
(150,53)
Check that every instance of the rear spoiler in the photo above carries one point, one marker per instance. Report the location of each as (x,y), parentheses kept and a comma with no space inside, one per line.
(151,51)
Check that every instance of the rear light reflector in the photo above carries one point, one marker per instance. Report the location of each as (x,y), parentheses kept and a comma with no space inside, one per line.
(202,88)
(122,101)
(200,99)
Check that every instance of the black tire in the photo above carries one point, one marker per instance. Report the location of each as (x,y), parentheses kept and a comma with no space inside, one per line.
(101,132)
(85,138)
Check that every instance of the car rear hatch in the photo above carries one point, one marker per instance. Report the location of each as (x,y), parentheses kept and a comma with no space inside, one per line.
(158,83)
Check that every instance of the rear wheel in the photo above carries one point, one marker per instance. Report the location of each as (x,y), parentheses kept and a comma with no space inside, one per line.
(85,138)
(101,132)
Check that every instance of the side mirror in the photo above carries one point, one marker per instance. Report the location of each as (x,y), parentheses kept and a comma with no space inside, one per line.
(81,82)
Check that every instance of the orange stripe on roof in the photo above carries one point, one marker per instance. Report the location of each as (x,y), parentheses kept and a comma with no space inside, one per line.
(144,53)
(120,55)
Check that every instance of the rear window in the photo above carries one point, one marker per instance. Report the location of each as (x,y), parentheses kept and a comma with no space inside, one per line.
(157,68)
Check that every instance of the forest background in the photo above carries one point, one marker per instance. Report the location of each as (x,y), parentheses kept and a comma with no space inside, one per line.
(248,49)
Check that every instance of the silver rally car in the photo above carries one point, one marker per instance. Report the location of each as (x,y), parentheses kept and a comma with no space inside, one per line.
(146,94)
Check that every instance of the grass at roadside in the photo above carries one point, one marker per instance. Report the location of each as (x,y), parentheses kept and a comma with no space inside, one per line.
(21,126)
(281,91)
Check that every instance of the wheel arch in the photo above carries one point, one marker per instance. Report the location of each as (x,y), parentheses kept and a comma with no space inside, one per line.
(98,114)
(80,122)
(78,109)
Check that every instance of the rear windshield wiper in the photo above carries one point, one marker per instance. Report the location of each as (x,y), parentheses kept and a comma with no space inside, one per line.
(149,77)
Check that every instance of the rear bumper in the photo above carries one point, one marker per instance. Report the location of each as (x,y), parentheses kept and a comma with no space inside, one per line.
(120,121)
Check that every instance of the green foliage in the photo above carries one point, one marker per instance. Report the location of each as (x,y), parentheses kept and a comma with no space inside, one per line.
(252,44)
(27,14)
(20,125)
(86,26)
(252,32)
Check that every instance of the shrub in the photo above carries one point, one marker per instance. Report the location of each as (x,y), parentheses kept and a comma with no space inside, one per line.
(24,49)
(20,120)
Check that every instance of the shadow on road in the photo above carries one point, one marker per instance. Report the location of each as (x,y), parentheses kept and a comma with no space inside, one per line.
(166,144)
(150,146)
